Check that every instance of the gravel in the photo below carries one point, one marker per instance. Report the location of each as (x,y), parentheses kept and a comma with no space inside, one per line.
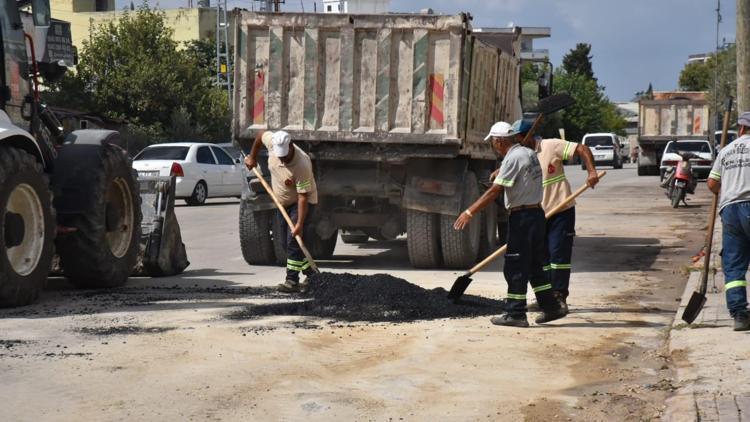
(373,298)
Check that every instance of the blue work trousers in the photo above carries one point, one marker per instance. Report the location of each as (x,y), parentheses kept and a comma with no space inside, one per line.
(561,230)
(296,262)
(735,256)
(524,262)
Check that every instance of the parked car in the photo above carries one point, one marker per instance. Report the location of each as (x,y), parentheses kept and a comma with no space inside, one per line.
(203,170)
(606,149)
(702,149)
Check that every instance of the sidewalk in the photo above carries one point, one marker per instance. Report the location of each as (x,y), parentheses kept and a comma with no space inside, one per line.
(712,362)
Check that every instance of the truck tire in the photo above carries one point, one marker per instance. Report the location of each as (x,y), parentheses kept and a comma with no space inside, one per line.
(423,239)
(642,170)
(255,236)
(320,248)
(103,250)
(488,233)
(27,228)
(461,247)
(354,238)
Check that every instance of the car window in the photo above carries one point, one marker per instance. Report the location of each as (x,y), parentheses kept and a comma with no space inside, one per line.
(689,147)
(163,153)
(204,156)
(598,141)
(223,157)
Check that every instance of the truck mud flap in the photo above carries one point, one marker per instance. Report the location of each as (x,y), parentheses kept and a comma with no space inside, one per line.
(435,185)
(162,252)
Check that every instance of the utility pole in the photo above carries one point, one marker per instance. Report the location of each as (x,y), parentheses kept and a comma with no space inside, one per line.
(743,55)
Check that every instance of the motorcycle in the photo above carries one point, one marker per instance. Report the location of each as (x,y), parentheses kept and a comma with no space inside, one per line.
(679,180)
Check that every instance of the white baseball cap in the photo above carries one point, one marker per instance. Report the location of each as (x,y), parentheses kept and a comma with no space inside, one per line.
(280,141)
(499,130)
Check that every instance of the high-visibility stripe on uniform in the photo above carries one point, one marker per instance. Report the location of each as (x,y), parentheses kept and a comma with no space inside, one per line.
(735,284)
(542,288)
(553,180)
(568,150)
(504,182)
(547,267)
(297,265)
(516,297)
(560,266)
(714,175)
(304,185)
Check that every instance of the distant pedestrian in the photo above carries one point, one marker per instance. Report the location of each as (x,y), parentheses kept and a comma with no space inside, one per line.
(634,153)
(561,230)
(730,179)
(293,182)
(520,178)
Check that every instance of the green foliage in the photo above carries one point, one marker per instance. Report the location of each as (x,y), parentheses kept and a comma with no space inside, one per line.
(700,77)
(578,61)
(133,69)
(592,112)
(696,77)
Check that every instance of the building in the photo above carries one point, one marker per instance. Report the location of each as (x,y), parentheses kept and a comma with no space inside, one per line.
(629,111)
(356,6)
(698,58)
(85,15)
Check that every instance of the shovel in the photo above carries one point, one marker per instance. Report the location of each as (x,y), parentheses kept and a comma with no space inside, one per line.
(698,299)
(462,282)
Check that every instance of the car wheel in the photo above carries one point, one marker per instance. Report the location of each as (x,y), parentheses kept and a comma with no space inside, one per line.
(200,194)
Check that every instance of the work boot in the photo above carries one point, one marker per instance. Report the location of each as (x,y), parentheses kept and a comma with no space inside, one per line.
(510,321)
(551,315)
(563,301)
(741,321)
(289,286)
(533,307)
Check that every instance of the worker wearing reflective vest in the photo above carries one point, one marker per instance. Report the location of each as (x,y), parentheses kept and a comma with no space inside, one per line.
(520,179)
(730,179)
(552,154)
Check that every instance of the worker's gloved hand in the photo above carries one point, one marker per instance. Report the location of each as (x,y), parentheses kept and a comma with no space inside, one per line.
(593,179)
(250,162)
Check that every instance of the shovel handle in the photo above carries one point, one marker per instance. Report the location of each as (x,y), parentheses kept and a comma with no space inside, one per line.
(281,208)
(549,214)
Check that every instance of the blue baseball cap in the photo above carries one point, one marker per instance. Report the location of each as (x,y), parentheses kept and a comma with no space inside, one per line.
(520,127)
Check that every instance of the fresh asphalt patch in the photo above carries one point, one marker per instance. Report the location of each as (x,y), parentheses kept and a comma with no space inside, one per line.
(372,298)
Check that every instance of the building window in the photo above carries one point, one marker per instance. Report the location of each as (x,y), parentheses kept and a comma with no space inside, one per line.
(102,5)
(328,8)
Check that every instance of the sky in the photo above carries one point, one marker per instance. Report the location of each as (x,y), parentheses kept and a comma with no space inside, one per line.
(634,42)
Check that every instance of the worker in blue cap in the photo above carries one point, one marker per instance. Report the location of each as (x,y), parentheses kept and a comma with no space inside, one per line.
(520,178)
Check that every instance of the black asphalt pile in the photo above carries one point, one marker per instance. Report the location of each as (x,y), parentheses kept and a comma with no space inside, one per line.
(373,298)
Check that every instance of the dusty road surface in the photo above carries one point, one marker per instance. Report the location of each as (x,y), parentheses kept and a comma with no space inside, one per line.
(186,348)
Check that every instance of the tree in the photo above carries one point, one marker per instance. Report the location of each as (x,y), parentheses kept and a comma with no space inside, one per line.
(132,69)
(578,61)
(696,76)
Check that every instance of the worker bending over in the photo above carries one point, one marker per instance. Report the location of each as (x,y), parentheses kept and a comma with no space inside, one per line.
(293,183)
(560,227)
(730,179)
(520,178)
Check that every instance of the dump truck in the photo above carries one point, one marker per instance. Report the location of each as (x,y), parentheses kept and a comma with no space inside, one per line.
(393,110)
(669,116)
(69,201)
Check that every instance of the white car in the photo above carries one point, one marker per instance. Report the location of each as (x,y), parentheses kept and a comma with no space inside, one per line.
(606,149)
(701,165)
(203,170)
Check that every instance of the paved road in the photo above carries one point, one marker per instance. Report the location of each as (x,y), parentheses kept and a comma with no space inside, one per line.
(164,349)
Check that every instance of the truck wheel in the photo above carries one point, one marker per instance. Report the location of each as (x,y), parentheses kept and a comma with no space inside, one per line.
(641,170)
(320,248)
(461,247)
(103,250)
(27,227)
(354,237)
(423,239)
(488,232)
(200,194)
(255,236)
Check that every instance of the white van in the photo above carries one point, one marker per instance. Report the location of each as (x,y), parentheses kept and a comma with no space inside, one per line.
(606,149)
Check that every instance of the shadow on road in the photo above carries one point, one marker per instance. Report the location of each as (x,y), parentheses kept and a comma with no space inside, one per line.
(608,254)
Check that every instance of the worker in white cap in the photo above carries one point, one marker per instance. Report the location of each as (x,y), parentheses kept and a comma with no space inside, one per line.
(730,179)
(293,182)
(520,178)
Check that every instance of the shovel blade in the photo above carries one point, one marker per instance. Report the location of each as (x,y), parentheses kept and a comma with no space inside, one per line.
(459,287)
(694,307)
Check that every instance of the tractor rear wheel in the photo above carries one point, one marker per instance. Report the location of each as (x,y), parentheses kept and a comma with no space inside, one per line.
(27,228)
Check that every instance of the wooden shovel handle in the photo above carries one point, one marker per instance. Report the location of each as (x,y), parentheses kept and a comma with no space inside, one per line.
(281,208)
(549,214)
